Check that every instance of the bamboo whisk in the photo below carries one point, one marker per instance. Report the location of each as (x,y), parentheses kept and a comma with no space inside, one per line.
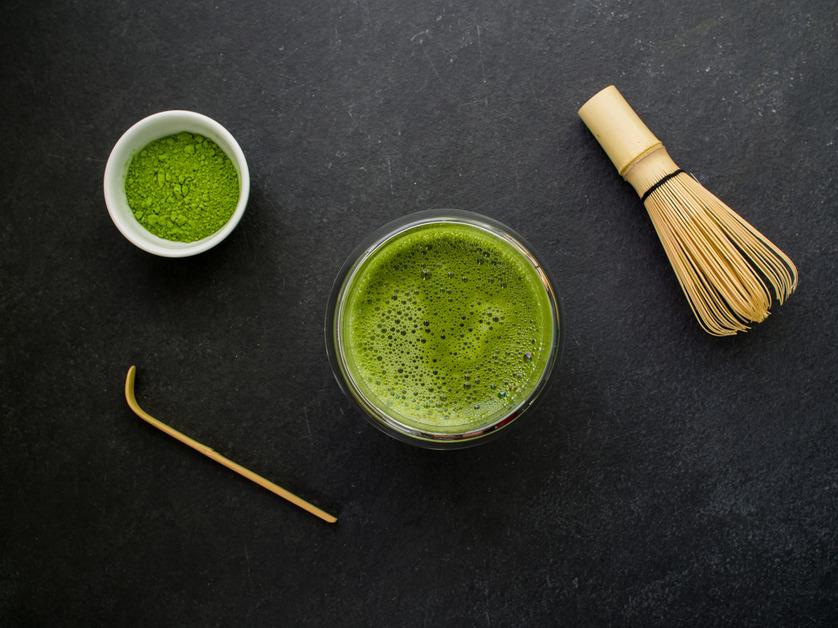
(724,265)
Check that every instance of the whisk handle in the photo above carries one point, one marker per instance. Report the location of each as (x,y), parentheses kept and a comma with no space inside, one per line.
(618,129)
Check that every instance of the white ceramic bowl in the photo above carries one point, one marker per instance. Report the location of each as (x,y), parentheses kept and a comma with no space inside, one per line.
(135,139)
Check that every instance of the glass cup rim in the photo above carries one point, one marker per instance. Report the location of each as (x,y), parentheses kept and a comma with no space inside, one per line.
(340,288)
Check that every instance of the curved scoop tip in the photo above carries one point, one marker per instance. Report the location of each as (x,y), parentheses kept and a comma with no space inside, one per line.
(129,381)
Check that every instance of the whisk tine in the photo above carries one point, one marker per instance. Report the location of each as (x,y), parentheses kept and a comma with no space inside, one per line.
(729,272)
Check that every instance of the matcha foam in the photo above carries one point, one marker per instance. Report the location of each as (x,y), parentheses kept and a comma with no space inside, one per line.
(447,327)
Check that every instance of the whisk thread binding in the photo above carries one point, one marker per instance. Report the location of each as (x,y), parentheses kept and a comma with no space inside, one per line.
(660,182)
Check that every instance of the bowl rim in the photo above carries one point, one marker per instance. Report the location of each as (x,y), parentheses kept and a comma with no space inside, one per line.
(129,227)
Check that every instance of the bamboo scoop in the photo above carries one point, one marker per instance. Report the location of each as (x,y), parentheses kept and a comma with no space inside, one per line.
(211,453)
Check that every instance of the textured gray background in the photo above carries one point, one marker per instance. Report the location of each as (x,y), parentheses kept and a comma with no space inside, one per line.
(667,478)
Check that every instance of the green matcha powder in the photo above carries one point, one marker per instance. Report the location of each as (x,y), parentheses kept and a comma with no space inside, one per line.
(182,187)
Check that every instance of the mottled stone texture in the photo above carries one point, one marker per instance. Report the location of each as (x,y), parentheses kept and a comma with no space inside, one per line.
(667,478)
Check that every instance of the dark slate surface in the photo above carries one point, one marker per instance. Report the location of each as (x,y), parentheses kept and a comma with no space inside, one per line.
(668,478)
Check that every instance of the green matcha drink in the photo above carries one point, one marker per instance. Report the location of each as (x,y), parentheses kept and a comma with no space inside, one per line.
(447,327)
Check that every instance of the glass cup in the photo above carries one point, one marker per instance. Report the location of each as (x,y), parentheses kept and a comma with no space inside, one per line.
(387,420)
